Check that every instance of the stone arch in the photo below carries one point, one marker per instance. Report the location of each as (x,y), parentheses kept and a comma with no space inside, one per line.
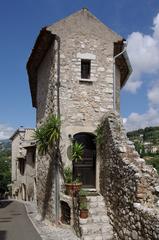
(65,212)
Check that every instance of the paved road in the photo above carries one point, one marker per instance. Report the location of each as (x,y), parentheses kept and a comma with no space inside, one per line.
(14,222)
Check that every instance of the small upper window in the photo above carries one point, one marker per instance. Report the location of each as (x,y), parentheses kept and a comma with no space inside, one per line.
(22,165)
(85,68)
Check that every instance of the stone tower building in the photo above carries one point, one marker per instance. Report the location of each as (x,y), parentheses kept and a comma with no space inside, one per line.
(77,68)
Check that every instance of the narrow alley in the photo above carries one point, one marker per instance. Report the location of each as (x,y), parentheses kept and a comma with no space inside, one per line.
(14,222)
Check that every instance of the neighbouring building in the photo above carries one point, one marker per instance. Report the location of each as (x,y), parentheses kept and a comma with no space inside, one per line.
(23,164)
(77,68)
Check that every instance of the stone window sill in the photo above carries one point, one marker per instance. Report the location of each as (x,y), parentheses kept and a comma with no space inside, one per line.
(86,80)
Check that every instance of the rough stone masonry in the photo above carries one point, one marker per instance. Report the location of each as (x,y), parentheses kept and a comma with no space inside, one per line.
(129,186)
(82,101)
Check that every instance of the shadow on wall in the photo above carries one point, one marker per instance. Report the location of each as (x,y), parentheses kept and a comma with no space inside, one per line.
(48,188)
(3,235)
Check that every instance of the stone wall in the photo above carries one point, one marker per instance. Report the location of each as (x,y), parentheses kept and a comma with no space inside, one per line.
(17,152)
(30,174)
(45,188)
(22,183)
(129,186)
(82,101)
(46,104)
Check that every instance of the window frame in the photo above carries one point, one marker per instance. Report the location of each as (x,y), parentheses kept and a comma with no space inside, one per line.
(86,69)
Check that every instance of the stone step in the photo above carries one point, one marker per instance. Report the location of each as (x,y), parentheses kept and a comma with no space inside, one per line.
(95,198)
(98,237)
(95,219)
(96,204)
(99,219)
(94,228)
(97,210)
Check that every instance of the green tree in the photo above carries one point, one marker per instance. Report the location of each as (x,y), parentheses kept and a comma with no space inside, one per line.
(5,170)
(47,137)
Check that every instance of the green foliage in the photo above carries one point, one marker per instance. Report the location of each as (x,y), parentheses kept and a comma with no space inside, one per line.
(47,134)
(83,192)
(154,161)
(135,134)
(5,169)
(67,175)
(99,134)
(149,134)
(137,146)
(77,151)
(140,148)
(42,142)
(83,205)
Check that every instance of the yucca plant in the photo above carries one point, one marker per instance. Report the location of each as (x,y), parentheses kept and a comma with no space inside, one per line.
(77,155)
(48,135)
(77,151)
(68,175)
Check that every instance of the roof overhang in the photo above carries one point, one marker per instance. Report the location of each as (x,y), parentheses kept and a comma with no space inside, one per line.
(122,62)
(20,158)
(42,45)
(19,130)
(29,144)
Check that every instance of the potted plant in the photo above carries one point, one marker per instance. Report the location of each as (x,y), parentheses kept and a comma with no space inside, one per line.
(83,209)
(82,195)
(72,185)
(77,154)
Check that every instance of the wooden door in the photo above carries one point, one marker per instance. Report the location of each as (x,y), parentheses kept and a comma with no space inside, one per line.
(85,169)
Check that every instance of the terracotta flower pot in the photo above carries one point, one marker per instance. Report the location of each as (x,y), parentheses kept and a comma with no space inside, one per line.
(83,213)
(71,188)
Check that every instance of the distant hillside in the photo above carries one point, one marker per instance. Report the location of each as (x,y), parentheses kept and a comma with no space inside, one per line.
(5,144)
(5,165)
(149,134)
(146,142)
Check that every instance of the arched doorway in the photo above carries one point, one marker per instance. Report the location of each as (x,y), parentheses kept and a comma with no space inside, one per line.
(86,168)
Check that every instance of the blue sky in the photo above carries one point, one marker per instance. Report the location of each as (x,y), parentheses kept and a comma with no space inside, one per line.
(20,23)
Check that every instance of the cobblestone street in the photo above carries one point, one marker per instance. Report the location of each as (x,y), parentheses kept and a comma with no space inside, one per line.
(15,224)
(46,231)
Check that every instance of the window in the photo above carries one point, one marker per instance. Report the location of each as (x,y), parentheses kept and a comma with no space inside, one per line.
(85,68)
(22,165)
(33,156)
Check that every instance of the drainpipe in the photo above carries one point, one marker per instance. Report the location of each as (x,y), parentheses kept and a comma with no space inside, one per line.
(58,75)
(57,188)
(114,75)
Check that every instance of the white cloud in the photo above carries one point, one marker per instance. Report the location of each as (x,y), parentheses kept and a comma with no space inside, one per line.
(124,120)
(151,117)
(156,27)
(136,121)
(133,85)
(153,94)
(5,131)
(143,51)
